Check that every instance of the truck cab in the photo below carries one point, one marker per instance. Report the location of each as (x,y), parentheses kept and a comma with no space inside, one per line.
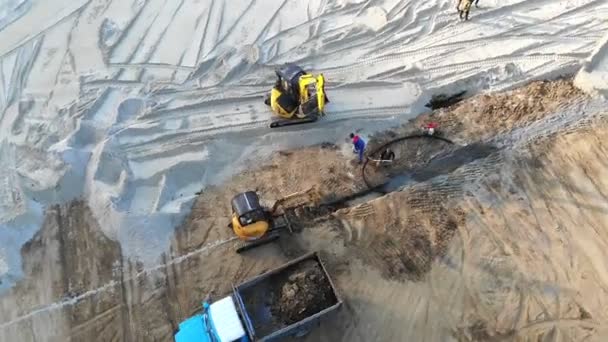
(219,322)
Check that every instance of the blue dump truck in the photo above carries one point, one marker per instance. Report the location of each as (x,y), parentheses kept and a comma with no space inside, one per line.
(282,302)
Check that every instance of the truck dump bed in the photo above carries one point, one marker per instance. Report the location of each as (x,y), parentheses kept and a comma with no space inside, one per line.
(287,299)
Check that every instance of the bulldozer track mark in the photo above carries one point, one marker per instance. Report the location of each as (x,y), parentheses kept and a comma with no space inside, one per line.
(98,319)
(561,323)
(450,31)
(202,134)
(150,65)
(231,28)
(353,234)
(450,185)
(201,44)
(110,52)
(141,39)
(40,34)
(71,301)
(270,21)
(199,107)
(362,211)
(499,60)
(548,123)
(455,67)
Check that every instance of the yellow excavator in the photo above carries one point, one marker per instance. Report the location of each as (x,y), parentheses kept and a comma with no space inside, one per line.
(297,97)
(256,225)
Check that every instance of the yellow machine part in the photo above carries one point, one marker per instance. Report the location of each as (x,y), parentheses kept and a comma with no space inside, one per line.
(305,81)
(249,232)
(274,104)
(321,93)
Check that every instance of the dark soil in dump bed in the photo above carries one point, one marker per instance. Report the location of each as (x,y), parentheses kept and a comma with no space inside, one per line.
(301,291)
(306,292)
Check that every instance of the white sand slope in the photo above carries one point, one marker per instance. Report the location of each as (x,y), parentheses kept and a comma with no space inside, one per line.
(593,77)
(11,10)
(136,105)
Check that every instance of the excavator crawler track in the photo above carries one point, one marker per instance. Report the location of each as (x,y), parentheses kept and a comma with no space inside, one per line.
(244,246)
(292,122)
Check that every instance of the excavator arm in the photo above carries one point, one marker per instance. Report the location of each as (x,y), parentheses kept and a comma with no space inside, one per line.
(296,199)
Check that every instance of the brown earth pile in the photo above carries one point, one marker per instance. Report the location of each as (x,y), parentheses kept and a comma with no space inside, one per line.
(473,119)
(303,294)
(481,117)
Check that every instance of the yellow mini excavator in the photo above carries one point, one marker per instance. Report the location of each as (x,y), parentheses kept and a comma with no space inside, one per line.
(297,98)
(256,225)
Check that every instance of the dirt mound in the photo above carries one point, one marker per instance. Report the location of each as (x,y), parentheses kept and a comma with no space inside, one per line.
(304,293)
(408,258)
(473,119)
(486,115)
(481,117)
(402,233)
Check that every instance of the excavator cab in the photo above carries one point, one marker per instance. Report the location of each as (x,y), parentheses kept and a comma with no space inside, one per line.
(250,221)
(289,78)
(256,225)
(298,97)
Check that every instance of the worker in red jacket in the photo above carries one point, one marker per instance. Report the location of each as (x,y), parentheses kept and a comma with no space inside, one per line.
(430,128)
(358,146)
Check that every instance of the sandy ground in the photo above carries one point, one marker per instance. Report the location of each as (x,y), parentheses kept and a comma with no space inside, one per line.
(509,245)
(133,106)
(114,114)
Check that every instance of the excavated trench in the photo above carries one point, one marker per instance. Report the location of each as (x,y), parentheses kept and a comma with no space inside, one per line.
(397,179)
(401,246)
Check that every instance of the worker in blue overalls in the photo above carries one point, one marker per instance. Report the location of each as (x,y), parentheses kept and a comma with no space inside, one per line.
(358,146)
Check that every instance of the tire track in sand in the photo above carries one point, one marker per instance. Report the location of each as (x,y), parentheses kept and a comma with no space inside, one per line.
(70,301)
(179,139)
